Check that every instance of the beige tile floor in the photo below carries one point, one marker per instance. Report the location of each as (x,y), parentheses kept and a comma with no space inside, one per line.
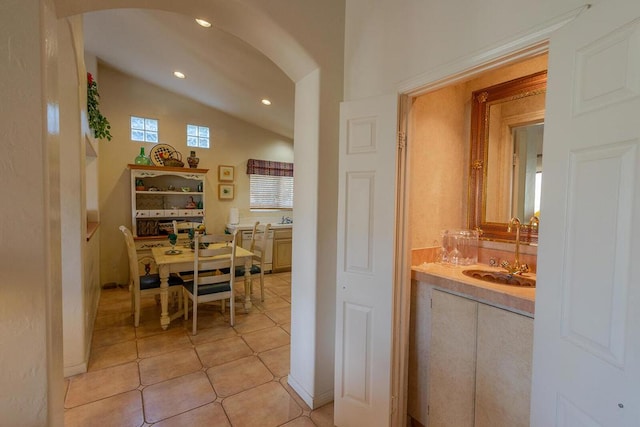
(223,376)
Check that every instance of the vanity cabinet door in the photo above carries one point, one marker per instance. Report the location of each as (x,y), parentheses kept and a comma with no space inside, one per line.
(452,360)
(503,368)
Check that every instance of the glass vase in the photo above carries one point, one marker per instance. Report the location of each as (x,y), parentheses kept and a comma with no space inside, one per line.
(141,159)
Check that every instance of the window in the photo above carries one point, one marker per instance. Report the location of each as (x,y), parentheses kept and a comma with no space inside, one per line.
(144,129)
(270,184)
(197,136)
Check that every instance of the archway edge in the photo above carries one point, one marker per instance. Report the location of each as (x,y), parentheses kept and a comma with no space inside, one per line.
(236,17)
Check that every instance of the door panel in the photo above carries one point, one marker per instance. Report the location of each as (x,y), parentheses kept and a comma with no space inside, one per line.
(586,369)
(364,298)
(594,317)
(452,360)
(503,368)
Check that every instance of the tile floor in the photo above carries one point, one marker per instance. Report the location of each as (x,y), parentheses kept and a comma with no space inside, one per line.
(222,376)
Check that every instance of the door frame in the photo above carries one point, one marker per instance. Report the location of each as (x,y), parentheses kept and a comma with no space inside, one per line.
(506,53)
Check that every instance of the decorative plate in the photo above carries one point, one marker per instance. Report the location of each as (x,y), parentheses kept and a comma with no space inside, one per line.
(157,151)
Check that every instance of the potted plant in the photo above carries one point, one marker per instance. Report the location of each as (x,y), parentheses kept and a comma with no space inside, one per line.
(97,122)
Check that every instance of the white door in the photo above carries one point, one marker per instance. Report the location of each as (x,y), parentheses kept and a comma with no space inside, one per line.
(365,267)
(586,368)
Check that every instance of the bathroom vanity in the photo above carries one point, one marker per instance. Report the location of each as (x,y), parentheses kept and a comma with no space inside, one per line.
(471,349)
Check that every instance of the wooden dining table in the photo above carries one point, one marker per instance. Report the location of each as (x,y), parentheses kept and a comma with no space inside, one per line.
(177,263)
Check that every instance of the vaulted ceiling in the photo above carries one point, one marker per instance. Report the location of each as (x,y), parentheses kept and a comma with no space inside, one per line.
(221,70)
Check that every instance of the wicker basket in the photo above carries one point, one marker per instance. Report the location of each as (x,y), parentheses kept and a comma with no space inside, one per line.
(174,163)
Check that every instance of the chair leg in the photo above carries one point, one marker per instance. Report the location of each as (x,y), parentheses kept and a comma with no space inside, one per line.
(223,305)
(186,304)
(232,309)
(133,300)
(262,284)
(194,315)
(136,312)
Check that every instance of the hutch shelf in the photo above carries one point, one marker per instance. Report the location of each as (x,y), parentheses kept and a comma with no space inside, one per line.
(162,194)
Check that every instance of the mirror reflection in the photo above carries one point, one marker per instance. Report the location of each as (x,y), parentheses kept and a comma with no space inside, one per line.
(514,158)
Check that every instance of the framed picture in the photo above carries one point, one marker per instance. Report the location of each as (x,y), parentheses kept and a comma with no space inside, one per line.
(226,192)
(225,173)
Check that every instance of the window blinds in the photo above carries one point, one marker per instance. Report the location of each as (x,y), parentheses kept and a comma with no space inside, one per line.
(271,184)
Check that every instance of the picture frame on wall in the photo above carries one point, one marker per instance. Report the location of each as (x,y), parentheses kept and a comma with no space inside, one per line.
(226,173)
(226,191)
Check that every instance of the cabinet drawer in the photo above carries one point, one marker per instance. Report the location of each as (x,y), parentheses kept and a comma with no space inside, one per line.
(285,233)
(197,212)
(172,212)
(142,214)
(156,213)
(186,212)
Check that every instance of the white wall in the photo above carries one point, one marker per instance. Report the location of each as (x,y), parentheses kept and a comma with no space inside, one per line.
(30,291)
(390,41)
(303,275)
(81,290)
(72,196)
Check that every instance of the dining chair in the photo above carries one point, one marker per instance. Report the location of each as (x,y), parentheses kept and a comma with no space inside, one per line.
(258,247)
(213,262)
(179,227)
(185,225)
(143,284)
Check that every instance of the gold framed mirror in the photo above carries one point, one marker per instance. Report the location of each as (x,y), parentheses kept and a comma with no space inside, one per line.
(507,122)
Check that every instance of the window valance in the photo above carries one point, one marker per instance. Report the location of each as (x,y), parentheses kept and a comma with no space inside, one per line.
(267,167)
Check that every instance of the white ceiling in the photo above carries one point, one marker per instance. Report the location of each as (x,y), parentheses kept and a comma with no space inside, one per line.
(221,70)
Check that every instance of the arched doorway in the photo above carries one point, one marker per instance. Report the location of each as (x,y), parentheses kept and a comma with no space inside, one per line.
(315,134)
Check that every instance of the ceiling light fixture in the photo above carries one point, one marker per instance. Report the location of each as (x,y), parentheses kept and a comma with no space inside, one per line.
(266,102)
(178,74)
(203,22)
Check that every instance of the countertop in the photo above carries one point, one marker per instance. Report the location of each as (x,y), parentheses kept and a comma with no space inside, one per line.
(449,277)
(249,226)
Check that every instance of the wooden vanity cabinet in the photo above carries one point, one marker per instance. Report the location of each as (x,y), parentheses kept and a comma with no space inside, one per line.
(479,364)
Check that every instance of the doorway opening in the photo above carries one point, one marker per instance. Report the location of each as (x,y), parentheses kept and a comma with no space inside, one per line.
(437,122)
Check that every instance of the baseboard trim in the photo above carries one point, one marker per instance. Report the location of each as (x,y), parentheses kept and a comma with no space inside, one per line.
(70,371)
(311,401)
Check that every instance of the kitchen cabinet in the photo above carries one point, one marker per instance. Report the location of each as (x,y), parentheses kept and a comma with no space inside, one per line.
(282,243)
(161,194)
(479,364)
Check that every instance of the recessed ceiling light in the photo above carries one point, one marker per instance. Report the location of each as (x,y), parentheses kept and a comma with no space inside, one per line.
(178,74)
(203,22)
(266,102)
